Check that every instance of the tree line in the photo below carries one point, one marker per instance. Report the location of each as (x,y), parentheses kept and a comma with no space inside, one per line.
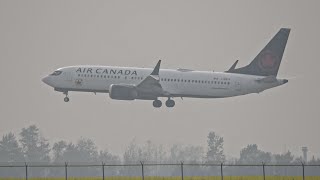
(31,146)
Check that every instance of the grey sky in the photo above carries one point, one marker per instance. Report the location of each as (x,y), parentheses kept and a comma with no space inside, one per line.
(37,37)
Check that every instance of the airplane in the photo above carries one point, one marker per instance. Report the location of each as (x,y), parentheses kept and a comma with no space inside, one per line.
(133,83)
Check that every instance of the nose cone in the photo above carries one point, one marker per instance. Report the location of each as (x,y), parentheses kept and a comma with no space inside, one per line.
(285,81)
(46,80)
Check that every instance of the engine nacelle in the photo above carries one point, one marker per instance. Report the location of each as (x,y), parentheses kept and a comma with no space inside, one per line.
(123,92)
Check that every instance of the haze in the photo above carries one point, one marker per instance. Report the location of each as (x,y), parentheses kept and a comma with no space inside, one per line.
(37,37)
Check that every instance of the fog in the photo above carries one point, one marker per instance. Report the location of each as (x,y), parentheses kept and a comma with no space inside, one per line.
(37,37)
(30,153)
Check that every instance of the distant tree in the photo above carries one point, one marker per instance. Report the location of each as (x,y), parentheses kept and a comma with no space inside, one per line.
(10,151)
(285,158)
(71,153)
(151,152)
(314,161)
(187,154)
(215,152)
(298,160)
(84,152)
(35,147)
(108,158)
(88,150)
(313,170)
(190,154)
(148,153)
(252,155)
(175,153)
(132,154)
(59,149)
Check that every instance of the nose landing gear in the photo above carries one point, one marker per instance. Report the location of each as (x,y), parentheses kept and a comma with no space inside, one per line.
(66,99)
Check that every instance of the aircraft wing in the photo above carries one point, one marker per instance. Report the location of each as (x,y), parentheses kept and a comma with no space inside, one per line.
(150,86)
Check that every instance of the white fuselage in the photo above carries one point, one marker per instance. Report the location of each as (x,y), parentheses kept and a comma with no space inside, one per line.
(178,83)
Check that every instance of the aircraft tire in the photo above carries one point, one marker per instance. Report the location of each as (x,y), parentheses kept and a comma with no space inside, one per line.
(170,103)
(157,103)
(66,99)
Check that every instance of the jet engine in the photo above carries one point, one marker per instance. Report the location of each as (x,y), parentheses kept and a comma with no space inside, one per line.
(123,92)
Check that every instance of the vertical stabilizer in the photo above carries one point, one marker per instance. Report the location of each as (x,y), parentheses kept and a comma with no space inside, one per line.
(267,62)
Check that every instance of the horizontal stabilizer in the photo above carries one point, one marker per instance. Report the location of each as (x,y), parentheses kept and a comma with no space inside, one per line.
(268,79)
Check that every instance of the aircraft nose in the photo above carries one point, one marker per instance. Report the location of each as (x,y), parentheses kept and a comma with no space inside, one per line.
(46,80)
(285,81)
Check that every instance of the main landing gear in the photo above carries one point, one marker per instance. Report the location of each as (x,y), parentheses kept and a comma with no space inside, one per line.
(169,103)
(66,99)
(157,103)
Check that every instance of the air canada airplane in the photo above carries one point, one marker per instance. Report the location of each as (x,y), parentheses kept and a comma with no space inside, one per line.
(130,83)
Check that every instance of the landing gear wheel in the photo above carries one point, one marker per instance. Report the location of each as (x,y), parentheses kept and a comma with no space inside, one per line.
(157,103)
(66,99)
(170,103)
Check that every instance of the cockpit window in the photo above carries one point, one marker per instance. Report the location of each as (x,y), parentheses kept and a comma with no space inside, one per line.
(56,73)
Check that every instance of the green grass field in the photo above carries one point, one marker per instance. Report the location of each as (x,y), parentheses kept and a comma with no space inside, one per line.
(179,178)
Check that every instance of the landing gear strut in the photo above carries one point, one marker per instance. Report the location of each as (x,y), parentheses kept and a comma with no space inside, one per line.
(170,103)
(66,99)
(157,103)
